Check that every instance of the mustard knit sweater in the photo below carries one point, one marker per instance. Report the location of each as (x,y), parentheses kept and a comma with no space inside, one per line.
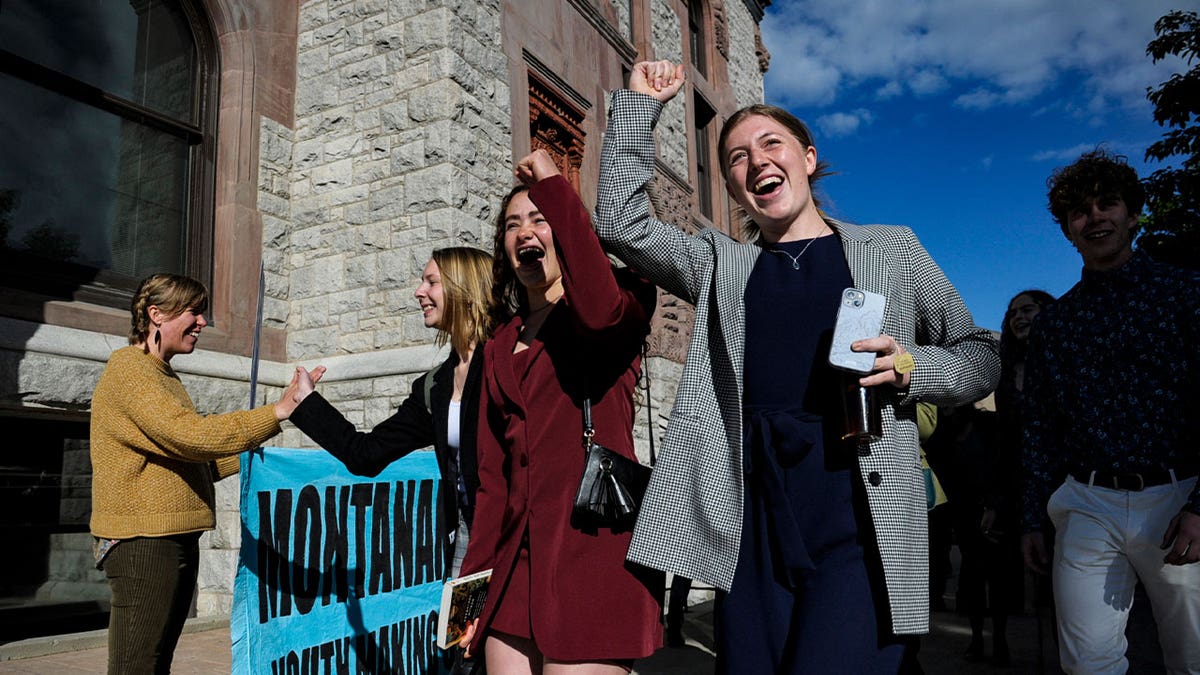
(153,456)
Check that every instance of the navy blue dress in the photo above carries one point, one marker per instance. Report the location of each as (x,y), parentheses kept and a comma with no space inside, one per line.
(807,595)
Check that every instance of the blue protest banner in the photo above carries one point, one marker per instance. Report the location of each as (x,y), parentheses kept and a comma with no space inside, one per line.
(337,573)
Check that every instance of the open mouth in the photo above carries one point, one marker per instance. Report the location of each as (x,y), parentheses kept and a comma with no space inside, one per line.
(195,334)
(767,185)
(530,255)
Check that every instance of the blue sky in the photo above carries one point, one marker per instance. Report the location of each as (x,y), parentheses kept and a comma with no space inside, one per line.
(949,115)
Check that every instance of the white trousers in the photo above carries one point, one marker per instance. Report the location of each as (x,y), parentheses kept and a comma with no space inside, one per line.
(1105,541)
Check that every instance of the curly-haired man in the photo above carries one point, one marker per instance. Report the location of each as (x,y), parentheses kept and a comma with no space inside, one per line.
(1112,445)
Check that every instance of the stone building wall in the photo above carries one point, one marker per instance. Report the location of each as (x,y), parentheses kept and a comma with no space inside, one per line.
(745,66)
(401,131)
(398,140)
(624,25)
(667,32)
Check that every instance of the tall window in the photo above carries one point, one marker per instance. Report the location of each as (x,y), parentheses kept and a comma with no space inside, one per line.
(703,124)
(698,44)
(556,126)
(106,174)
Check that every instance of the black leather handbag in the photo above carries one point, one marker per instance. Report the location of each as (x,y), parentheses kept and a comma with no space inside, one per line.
(612,485)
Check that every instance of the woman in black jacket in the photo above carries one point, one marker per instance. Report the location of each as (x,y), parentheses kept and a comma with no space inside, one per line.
(443,408)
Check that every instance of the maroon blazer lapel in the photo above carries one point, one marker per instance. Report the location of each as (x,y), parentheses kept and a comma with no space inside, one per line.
(504,365)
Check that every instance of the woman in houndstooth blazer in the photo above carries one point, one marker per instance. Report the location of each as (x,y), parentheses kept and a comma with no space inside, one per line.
(820,549)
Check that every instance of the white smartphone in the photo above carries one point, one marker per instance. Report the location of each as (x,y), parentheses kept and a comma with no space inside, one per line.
(860,316)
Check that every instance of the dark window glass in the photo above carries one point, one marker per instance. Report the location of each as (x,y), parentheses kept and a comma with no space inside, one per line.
(88,187)
(704,115)
(696,36)
(102,136)
(139,50)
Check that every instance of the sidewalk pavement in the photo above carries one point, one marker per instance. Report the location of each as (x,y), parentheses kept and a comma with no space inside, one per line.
(204,649)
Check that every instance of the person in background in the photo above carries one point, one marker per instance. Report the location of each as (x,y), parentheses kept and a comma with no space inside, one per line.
(562,599)
(442,410)
(677,603)
(940,533)
(941,537)
(984,498)
(154,460)
(1111,444)
(1023,308)
(819,546)
(1014,344)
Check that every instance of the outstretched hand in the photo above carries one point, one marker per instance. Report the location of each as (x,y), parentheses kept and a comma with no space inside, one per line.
(535,166)
(660,79)
(303,383)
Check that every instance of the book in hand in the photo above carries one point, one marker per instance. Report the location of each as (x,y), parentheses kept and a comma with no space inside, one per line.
(462,602)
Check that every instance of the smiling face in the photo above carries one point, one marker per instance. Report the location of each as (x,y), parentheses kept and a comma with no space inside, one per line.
(767,172)
(529,245)
(1102,232)
(178,334)
(1021,312)
(431,295)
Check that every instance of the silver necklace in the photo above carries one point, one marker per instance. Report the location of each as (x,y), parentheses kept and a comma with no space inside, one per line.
(796,258)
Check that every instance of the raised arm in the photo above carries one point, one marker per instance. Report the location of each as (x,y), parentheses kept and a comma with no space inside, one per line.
(661,252)
(598,304)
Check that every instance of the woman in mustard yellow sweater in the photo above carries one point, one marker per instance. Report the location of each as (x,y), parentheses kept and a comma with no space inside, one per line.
(154,460)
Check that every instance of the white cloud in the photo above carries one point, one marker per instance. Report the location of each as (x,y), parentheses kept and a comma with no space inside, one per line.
(1131,150)
(890,90)
(1013,50)
(843,123)
(1064,154)
(980,99)
(927,82)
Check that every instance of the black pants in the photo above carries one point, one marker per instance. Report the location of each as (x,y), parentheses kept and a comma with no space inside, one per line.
(152,580)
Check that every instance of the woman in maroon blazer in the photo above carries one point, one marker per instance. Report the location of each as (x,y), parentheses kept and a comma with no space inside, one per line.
(562,597)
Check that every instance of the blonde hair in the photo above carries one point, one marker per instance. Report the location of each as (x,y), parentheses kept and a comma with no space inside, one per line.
(172,293)
(467,284)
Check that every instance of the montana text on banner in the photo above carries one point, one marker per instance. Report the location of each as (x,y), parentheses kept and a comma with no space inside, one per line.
(337,573)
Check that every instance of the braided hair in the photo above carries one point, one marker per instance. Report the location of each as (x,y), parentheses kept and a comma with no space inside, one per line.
(172,294)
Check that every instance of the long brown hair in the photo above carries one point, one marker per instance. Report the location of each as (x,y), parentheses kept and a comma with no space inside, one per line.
(172,293)
(795,127)
(508,294)
(467,286)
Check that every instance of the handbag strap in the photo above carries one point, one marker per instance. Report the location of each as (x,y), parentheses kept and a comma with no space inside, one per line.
(649,411)
(589,431)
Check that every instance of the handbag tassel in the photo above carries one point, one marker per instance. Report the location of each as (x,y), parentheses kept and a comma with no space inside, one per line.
(615,500)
